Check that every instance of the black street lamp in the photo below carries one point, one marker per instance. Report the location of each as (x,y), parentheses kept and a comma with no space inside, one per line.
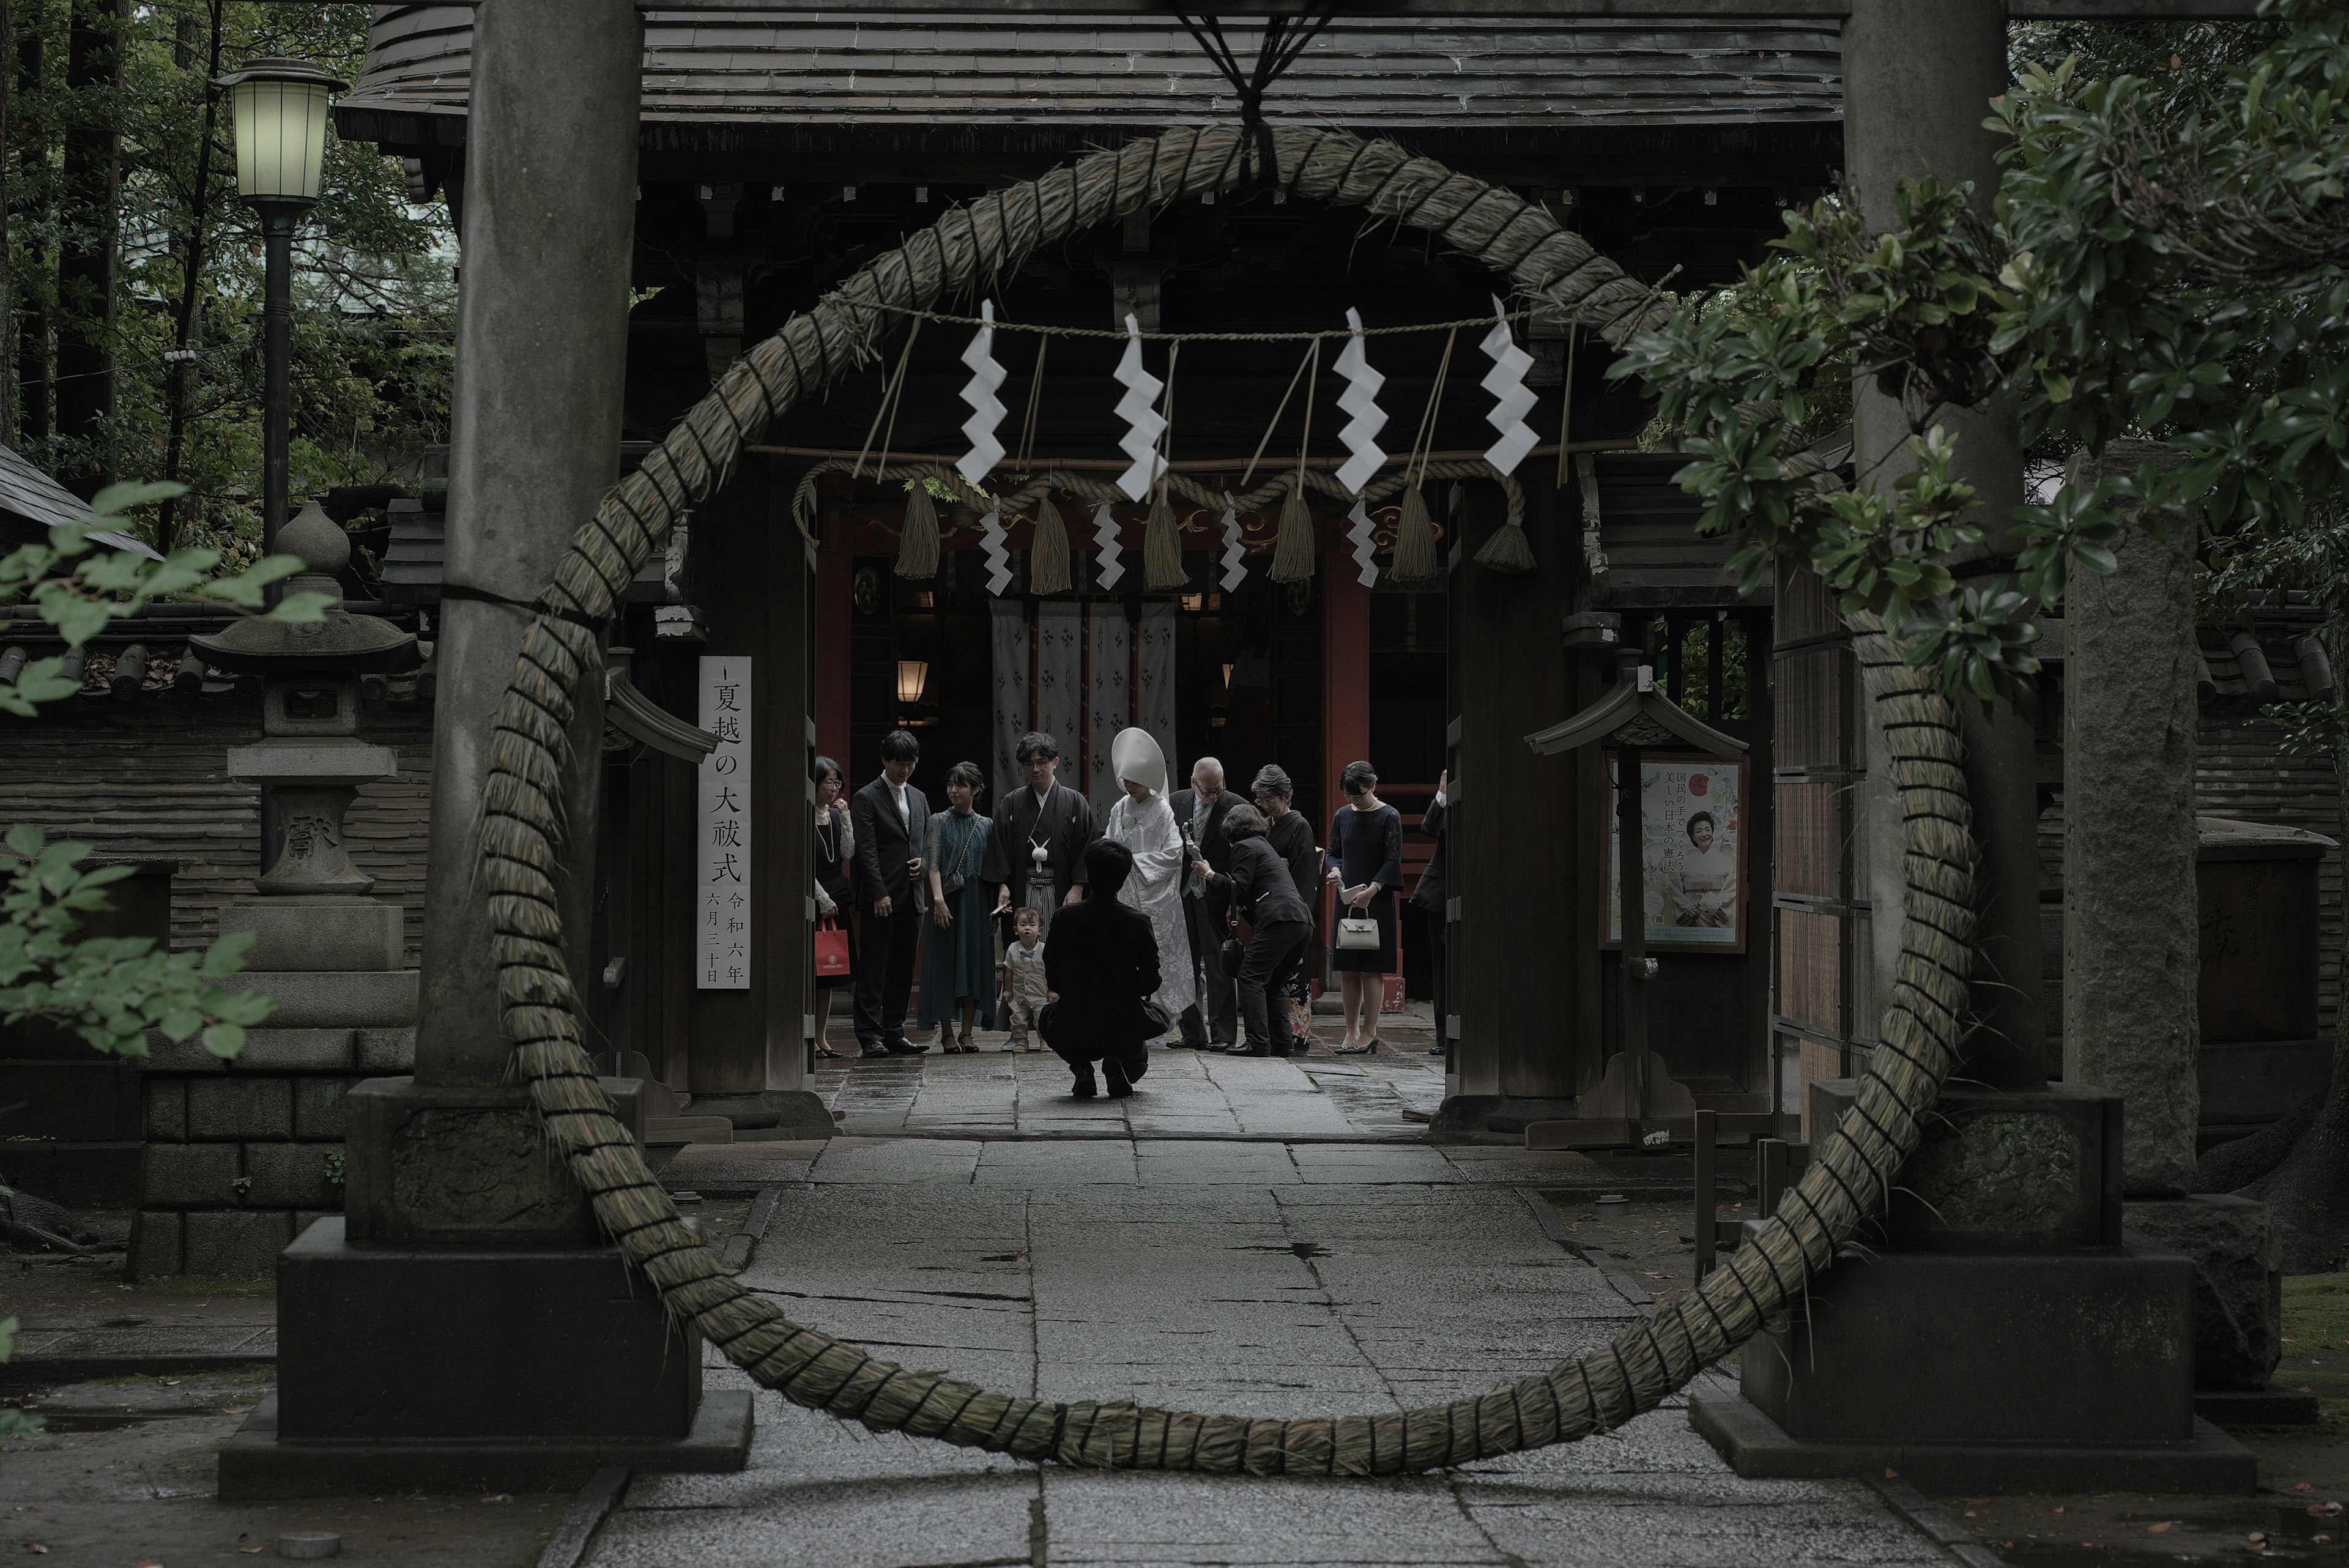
(280,110)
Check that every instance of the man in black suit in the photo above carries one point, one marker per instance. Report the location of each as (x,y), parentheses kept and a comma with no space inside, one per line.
(1428,899)
(890,818)
(1213,1024)
(1291,837)
(1046,816)
(1102,963)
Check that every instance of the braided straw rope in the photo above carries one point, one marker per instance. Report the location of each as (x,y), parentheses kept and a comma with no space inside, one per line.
(1092,488)
(1851,1171)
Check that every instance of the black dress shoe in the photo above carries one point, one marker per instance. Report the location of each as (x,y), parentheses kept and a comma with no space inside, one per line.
(1119,1086)
(872,1052)
(1251,1051)
(906,1048)
(1084,1087)
(826,1054)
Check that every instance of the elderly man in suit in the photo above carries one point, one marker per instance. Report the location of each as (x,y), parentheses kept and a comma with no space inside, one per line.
(1102,965)
(1213,1023)
(1035,856)
(890,818)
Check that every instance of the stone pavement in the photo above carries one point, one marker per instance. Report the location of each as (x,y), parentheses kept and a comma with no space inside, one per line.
(1186,1094)
(1255,1276)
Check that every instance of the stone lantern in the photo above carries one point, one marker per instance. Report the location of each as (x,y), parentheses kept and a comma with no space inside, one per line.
(241,1156)
(310,758)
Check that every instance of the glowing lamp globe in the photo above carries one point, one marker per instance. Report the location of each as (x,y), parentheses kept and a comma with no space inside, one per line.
(280,110)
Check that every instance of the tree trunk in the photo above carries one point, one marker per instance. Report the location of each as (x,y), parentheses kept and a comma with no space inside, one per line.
(85,258)
(191,269)
(34,390)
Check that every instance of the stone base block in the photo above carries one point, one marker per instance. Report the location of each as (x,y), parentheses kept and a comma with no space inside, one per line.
(2238,1282)
(321,933)
(333,998)
(2043,1348)
(259,1465)
(2000,1171)
(450,1167)
(2272,1406)
(2207,1461)
(495,1368)
(797,1112)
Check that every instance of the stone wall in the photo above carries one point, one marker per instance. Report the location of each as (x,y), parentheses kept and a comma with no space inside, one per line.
(241,1156)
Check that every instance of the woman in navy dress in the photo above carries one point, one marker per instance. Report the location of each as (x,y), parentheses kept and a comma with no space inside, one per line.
(1366,868)
(958,951)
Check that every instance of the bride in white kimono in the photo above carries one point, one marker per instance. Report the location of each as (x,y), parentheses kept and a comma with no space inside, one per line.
(1145,823)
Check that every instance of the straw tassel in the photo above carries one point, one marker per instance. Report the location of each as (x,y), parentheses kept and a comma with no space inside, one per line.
(1414,546)
(917,546)
(1292,557)
(1508,550)
(1162,548)
(1048,555)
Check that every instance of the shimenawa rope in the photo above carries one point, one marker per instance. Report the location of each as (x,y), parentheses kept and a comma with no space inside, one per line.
(1853,1164)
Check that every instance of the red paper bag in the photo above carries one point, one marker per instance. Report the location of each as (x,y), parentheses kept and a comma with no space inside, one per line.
(830,952)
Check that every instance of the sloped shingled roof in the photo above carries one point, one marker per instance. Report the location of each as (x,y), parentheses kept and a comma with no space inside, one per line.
(842,66)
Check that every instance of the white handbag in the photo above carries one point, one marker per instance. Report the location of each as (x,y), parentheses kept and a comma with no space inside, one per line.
(1358,933)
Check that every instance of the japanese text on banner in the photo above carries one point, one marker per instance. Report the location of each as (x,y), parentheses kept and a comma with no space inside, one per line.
(723,960)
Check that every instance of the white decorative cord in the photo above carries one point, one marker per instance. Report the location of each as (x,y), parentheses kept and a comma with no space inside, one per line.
(1364,546)
(1144,424)
(1512,399)
(1105,541)
(996,545)
(1360,400)
(986,409)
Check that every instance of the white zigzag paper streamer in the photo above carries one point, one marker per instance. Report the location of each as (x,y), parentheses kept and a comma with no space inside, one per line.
(1363,546)
(1512,400)
(1235,561)
(987,410)
(1144,424)
(1105,541)
(1360,399)
(996,546)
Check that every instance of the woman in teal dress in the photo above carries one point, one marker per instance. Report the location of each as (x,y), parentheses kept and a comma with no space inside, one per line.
(958,950)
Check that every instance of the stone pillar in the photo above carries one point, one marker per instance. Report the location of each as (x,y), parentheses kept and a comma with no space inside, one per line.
(2132,927)
(1918,81)
(534,442)
(464,1324)
(2132,931)
(1998,1328)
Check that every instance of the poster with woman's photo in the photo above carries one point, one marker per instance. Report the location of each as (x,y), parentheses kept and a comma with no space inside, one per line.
(1693,855)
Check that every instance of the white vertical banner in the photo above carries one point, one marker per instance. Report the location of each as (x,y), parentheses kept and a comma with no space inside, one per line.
(723,827)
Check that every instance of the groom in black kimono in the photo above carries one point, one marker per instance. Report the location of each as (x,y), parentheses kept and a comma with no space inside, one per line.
(1046,816)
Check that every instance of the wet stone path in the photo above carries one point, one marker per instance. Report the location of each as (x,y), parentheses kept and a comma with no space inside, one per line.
(1278,1249)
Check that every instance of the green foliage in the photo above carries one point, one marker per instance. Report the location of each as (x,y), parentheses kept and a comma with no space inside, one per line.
(14,1422)
(79,589)
(109,990)
(374,284)
(2163,260)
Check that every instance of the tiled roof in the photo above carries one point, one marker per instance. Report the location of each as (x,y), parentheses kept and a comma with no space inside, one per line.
(842,67)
